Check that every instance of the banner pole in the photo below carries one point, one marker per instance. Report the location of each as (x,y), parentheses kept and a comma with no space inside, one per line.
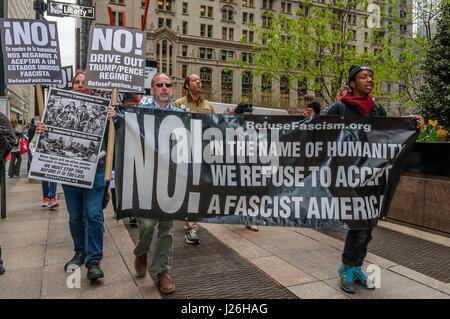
(111,137)
(40,100)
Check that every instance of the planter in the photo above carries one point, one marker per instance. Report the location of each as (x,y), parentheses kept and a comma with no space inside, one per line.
(422,197)
(430,159)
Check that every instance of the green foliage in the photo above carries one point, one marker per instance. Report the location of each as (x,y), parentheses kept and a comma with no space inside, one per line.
(318,46)
(434,99)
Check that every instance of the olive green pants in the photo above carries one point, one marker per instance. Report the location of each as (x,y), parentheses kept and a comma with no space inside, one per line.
(162,258)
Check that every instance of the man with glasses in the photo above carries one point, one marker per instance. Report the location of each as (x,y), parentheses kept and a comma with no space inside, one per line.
(195,103)
(161,89)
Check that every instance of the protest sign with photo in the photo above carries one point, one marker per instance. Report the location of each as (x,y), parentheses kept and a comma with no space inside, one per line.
(30,52)
(68,151)
(328,172)
(116,59)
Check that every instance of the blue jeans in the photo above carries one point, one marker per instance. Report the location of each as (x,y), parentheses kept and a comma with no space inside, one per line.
(86,218)
(48,189)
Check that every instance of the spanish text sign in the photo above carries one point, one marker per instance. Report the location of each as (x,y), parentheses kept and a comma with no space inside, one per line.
(327,172)
(30,52)
(116,59)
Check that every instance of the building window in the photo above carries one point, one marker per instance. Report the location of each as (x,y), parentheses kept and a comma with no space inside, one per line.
(227,55)
(247,17)
(185,8)
(210,31)
(206,78)
(286,7)
(210,12)
(227,14)
(227,86)
(302,90)
(184,50)
(248,3)
(202,30)
(206,53)
(203,11)
(268,4)
(143,3)
(284,91)
(247,87)
(266,89)
(165,5)
(169,23)
(227,33)
(160,22)
(184,71)
(185,27)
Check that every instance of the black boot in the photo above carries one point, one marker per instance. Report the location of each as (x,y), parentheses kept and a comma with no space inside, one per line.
(76,261)
(94,272)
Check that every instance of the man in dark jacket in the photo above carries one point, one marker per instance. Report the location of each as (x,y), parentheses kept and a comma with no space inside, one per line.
(358,101)
(7,142)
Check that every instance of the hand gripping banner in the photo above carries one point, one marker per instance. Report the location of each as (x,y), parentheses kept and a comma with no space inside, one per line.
(329,172)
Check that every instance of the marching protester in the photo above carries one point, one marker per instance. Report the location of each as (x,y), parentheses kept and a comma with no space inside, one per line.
(16,156)
(161,90)
(7,143)
(358,101)
(245,109)
(193,102)
(85,207)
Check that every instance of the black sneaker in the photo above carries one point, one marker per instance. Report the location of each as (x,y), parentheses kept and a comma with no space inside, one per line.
(94,272)
(76,261)
(192,238)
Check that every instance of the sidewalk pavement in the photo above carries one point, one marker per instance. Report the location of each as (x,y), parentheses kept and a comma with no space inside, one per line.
(36,243)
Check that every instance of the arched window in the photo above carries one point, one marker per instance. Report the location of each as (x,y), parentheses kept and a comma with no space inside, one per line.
(247,87)
(206,78)
(284,91)
(266,89)
(227,13)
(227,86)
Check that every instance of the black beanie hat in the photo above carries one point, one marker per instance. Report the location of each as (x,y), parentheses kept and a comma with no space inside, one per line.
(354,69)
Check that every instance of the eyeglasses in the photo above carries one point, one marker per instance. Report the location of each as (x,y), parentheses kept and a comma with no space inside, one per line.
(168,85)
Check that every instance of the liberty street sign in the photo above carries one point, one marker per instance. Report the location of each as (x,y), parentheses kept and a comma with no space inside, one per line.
(61,9)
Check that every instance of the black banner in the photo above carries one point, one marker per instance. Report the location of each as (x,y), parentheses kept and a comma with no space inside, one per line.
(329,172)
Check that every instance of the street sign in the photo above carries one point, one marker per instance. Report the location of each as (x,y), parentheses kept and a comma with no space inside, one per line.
(61,9)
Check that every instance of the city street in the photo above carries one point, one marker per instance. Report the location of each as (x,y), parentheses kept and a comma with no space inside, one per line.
(230,262)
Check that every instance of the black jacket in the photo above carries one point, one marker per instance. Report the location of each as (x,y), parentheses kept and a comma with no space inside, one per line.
(340,108)
(9,139)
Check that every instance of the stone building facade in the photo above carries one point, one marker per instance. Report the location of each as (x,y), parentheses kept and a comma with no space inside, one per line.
(186,37)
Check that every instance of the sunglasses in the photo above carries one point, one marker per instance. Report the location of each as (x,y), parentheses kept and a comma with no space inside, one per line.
(160,85)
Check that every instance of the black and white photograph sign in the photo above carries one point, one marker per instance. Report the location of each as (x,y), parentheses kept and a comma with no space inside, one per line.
(30,52)
(68,151)
(116,59)
(328,172)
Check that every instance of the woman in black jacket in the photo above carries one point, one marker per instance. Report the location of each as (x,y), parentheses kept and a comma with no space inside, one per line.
(16,157)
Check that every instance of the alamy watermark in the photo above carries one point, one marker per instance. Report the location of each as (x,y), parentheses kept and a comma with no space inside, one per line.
(74,279)
(374,19)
